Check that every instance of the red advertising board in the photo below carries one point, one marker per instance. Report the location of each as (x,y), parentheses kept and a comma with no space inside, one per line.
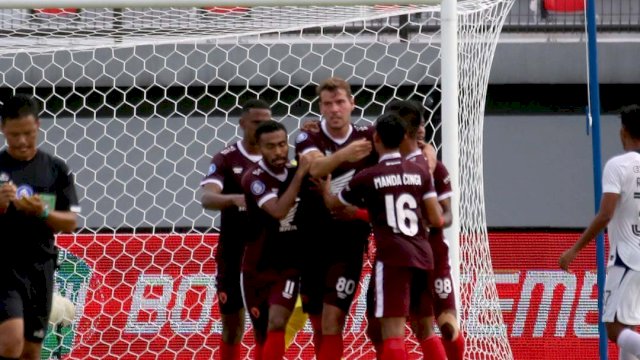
(153,297)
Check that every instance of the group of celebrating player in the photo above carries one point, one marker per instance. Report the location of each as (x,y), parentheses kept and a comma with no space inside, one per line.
(304,229)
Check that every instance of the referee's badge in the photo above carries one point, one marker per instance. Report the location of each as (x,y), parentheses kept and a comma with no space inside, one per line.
(24,191)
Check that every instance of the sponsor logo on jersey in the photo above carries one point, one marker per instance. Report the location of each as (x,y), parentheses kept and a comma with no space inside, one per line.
(237,170)
(257,187)
(301,137)
(212,169)
(24,191)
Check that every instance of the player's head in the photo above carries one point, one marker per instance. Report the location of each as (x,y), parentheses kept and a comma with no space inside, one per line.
(390,131)
(336,102)
(411,113)
(630,131)
(254,112)
(20,124)
(272,142)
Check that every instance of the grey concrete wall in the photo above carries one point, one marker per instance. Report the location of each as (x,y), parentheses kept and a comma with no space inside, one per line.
(538,169)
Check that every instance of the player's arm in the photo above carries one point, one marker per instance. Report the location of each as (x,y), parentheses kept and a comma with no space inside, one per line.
(213,199)
(598,224)
(278,206)
(433,211)
(447,214)
(322,165)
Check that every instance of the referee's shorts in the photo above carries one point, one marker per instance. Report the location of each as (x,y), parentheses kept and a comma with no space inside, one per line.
(26,292)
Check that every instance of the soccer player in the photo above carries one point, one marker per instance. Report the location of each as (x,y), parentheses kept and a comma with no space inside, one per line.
(335,242)
(619,210)
(37,200)
(400,198)
(270,267)
(222,190)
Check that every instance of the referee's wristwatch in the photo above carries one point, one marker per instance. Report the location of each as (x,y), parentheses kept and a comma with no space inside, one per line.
(44,214)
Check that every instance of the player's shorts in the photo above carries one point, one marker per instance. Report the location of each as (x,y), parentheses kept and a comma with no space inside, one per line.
(262,289)
(229,292)
(332,274)
(399,291)
(334,284)
(26,292)
(444,297)
(622,295)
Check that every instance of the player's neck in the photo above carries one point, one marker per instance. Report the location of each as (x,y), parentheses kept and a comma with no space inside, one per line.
(251,149)
(408,148)
(338,133)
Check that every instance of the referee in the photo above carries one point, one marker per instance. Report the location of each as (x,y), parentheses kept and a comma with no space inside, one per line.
(37,200)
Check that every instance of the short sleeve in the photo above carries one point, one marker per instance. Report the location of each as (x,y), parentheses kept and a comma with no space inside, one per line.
(612,178)
(256,190)
(355,191)
(442,181)
(215,173)
(305,143)
(66,196)
(428,185)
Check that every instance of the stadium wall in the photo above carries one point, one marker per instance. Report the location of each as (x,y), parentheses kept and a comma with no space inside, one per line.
(152,296)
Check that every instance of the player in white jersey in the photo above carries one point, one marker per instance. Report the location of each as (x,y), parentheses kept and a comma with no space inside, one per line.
(618,212)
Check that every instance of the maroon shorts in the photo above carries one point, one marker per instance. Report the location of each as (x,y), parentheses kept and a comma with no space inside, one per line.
(262,289)
(399,291)
(228,265)
(444,297)
(334,284)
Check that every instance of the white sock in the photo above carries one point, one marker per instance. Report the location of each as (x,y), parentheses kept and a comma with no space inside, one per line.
(629,341)
(623,355)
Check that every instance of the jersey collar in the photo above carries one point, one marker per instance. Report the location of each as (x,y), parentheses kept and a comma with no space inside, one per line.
(253,158)
(390,156)
(282,176)
(323,125)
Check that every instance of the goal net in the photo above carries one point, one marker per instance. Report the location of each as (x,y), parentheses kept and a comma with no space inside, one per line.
(137,100)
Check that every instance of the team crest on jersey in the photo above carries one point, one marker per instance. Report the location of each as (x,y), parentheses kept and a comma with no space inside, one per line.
(24,191)
(4,177)
(301,137)
(212,169)
(257,187)
(237,170)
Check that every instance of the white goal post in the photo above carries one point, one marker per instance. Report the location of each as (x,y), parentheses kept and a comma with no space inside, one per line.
(138,94)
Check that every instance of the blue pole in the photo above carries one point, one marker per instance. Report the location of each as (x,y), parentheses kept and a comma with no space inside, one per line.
(594,113)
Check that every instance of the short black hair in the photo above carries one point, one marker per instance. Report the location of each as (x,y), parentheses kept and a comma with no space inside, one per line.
(19,106)
(255,104)
(630,116)
(410,112)
(267,127)
(391,129)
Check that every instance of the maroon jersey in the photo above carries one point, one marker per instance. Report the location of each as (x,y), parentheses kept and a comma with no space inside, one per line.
(393,192)
(273,243)
(312,208)
(442,181)
(226,170)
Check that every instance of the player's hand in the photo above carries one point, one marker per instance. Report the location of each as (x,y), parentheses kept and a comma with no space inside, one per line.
(239,201)
(304,164)
(567,258)
(357,150)
(322,185)
(30,205)
(311,125)
(7,195)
